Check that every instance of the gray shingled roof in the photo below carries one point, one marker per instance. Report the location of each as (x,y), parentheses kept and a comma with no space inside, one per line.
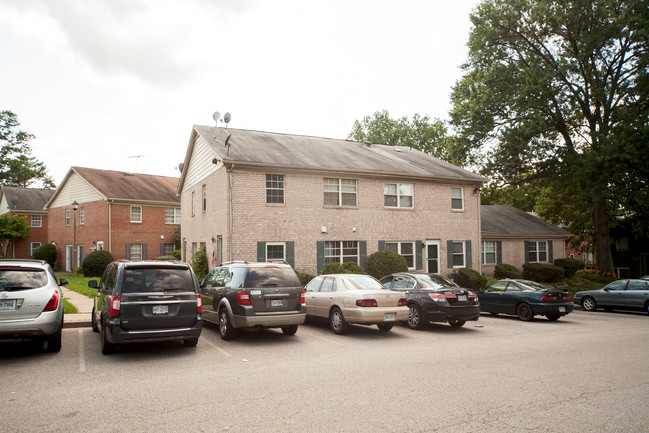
(298,151)
(505,220)
(27,199)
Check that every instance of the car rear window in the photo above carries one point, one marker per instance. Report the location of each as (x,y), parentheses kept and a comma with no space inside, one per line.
(138,280)
(272,276)
(362,282)
(22,278)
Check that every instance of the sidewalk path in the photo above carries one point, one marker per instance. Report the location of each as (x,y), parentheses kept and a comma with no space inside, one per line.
(83,303)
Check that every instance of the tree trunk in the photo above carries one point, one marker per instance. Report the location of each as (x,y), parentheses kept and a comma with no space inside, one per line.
(603,255)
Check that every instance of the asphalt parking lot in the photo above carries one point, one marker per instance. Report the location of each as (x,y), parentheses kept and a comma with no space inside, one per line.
(585,372)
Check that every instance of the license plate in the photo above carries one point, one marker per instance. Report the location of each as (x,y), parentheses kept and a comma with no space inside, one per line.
(390,316)
(276,303)
(562,309)
(161,309)
(7,304)
(461,298)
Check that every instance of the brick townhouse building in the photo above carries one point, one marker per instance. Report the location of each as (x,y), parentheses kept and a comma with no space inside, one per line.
(30,204)
(251,195)
(134,216)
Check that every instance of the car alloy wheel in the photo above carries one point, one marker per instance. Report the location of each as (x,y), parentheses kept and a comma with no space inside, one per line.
(415,317)
(589,304)
(225,326)
(337,322)
(524,312)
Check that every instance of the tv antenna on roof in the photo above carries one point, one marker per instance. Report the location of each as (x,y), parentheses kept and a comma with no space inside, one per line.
(137,159)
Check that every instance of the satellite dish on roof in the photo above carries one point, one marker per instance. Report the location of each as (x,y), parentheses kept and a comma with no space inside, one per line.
(227,117)
(216,116)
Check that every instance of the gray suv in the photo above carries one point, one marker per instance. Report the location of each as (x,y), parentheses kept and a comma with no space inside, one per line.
(253,295)
(146,301)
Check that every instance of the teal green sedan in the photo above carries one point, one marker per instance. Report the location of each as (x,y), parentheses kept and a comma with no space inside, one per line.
(618,295)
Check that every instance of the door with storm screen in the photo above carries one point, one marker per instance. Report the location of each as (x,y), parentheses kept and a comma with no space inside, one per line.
(432,257)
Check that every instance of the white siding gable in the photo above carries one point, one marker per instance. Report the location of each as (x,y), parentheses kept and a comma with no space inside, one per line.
(200,163)
(76,189)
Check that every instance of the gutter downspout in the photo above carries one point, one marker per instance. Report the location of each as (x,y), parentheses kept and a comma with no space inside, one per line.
(110,226)
(230,213)
(480,234)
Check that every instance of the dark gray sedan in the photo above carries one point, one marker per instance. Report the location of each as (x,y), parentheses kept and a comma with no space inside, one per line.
(618,295)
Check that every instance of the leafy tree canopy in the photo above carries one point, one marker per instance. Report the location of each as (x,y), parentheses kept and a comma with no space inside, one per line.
(12,228)
(17,167)
(555,99)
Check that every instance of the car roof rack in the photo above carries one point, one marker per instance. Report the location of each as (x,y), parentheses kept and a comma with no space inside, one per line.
(230,262)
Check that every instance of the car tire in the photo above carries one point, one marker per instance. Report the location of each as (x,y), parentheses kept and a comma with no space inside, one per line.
(384,327)
(493,313)
(524,312)
(589,304)
(289,330)
(646,307)
(457,323)
(337,322)
(190,342)
(553,317)
(93,324)
(107,348)
(226,329)
(54,341)
(415,317)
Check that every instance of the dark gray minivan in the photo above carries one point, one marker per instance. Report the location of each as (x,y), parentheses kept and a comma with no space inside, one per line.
(253,295)
(147,301)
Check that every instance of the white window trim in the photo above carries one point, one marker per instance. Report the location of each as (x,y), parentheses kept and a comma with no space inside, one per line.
(204,198)
(282,244)
(340,192)
(39,218)
(175,215)
(460,198)
(463,265)
(537,250)
(141,214)
(484,253)
(82,216)
(399,244)
(193,203)
(67,217)
(283,189)
(342,256)
(398,206)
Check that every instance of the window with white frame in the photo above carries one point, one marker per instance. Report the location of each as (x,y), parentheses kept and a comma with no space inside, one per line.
(340,192)
(37,221)
(172,215)
(67,217)
(275,251)
(136,214)
(275,188)
(406,249)
(341,252)
(31,246)
(168,249)
(193,203)
(537,251)
(458,255)
(204,198)
(488,252)
(398,195)
(136,252)
(457,198)
(82,216)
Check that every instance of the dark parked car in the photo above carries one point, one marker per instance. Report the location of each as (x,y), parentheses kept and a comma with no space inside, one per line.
(253,295)
(31,302)
(618,295)
(525,299)
(433,298)
(147,301)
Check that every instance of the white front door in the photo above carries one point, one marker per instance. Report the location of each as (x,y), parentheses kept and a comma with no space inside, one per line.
(432,257)
(68,258)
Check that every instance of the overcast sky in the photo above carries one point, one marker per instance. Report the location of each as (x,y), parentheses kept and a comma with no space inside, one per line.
(102,82)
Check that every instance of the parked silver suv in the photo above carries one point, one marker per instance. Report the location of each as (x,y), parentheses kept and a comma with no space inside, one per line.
(31,302)
(253,295)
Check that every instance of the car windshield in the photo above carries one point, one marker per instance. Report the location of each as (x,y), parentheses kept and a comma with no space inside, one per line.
(22,278)
(362,282)
(272,276)
(156,279)
(436,281)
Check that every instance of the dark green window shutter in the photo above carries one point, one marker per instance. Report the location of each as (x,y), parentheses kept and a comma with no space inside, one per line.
(381,245)
(320,259)
(550,252)
(527,248)
(499,252)
(290,253)
(144,254)
(468,254)
(362,254)
(127,254)
(418,246)
(261,251)
(449,254)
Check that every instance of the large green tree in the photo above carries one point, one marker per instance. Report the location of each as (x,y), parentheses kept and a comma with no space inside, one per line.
(17,166)
(555,93)
(12,228)
(420,132)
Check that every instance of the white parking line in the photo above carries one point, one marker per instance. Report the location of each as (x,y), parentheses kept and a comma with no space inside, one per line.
(322,338)
(211,344)
(82,356)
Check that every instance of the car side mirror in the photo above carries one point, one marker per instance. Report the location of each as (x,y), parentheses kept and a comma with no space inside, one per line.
(92,284)
(64,282)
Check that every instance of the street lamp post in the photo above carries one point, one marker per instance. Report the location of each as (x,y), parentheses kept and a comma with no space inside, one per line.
(75,206)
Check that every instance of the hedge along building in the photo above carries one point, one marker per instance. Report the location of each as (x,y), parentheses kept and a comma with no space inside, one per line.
(133,216)
(256,196)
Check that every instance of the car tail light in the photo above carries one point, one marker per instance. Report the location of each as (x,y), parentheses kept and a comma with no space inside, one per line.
(366,303)
(114,306)
(548,298)
(403,302)
(199,303)
(439,297)
(243,298)
(302,299)
(568,298)
(53,303)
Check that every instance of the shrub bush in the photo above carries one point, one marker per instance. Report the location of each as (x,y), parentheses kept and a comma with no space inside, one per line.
(304,277)
(542,273)
(570,266)
(506,271)
(177,255)
(165,258)
(344,268)
(45,252)
(385,262)
(95,263)
(199,264)
(596,276)
(469,279)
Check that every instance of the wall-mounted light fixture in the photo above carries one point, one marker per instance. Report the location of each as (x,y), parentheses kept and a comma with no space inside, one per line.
(323,229)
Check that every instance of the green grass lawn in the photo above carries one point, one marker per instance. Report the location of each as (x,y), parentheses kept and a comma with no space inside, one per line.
(79,284)
(68,308)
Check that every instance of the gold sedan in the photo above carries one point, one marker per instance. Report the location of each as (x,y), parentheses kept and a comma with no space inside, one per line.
(354,299)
